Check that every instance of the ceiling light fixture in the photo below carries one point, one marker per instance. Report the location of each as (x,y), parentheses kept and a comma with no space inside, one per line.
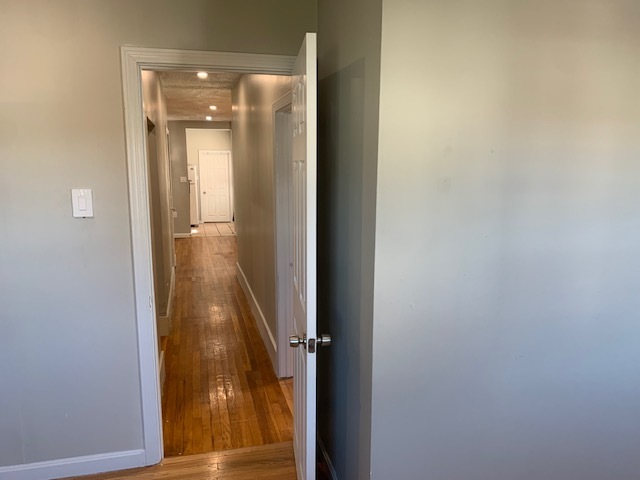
(213,107)
(203,75)
(208,118)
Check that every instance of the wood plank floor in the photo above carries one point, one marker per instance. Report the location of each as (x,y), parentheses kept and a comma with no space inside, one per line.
(272,462)
(213,230)
(220,391)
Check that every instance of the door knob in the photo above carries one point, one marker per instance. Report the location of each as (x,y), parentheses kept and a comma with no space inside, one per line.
(295,341)
(323,340)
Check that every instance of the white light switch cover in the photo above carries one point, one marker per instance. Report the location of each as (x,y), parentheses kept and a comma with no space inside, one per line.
(183,179)
(82,202)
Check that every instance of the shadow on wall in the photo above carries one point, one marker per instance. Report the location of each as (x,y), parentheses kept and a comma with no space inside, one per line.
(340,260)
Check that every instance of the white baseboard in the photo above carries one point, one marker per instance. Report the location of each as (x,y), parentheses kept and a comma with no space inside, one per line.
(164,321)
(261,322)
(181,235)
(71,467)
(325,455)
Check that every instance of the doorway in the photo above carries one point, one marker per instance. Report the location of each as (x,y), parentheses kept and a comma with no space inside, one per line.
(134,59)
(212,401)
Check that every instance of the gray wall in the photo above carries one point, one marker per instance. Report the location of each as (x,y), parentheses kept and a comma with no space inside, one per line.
(69,376)
(349,73)
(506,334)
(159,190)
(253,167)
(178,148)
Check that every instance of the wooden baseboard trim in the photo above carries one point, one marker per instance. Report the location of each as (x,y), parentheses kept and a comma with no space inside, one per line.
(265,332)
(71,467)
(181,235)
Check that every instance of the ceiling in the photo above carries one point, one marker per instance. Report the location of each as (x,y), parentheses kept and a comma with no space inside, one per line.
(188,97)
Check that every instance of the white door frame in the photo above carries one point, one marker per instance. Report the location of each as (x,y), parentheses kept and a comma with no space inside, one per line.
(134,60)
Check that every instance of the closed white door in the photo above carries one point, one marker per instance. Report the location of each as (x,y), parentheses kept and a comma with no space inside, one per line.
(303,229)
(215,185)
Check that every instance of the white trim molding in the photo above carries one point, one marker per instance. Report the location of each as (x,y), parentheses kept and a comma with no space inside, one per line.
(71,467)
(171,59)
(142,260)
(181,235)
(134,60)
(261,321)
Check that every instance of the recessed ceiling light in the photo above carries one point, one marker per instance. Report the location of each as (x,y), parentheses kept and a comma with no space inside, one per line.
(209,117)
(213,107)
(203,74)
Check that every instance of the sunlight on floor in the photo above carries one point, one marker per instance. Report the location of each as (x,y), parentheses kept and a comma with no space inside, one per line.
(214,230)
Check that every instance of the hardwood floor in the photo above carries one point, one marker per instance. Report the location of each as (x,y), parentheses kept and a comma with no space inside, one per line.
(213,230)
(255,463)
(225,414)
(220,391)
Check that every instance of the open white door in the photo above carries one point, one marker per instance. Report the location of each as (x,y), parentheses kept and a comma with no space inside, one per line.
(303,226)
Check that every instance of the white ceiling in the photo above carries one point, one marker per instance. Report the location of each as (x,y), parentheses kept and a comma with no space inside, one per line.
(189,97)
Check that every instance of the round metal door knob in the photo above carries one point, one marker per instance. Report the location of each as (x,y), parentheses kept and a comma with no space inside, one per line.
(295,341)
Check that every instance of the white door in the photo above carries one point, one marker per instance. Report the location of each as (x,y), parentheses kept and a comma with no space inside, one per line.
(215,185)
(303,226)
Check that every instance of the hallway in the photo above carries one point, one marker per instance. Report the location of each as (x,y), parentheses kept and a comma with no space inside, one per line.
(220,391)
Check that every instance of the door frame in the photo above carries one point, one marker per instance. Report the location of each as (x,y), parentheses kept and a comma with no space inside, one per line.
(133,61)
(230,174)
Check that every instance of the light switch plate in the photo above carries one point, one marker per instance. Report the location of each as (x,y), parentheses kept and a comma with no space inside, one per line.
(183,179)
(82,202)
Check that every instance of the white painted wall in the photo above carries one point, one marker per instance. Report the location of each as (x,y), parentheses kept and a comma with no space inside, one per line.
(506,334)
(205,139)
(68,350)
(253,138)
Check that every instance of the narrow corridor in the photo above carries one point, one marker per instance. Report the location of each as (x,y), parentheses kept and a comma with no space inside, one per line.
(220,391)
